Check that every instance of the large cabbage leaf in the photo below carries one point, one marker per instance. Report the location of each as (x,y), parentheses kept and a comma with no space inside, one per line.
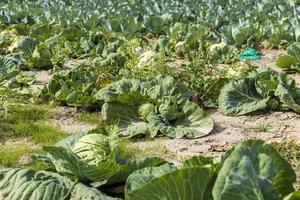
(128,91)
(24,44)
(240,97)
(293,196)
(133,92)
(192,123)
(291,61)
(83,192)
(167,183)
(260,90)
(131,166)
(288,93)
(26,184)
(129,122)
(68,142)
(254,170)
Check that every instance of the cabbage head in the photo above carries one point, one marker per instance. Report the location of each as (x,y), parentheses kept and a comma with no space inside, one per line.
(146,109)
(93,148)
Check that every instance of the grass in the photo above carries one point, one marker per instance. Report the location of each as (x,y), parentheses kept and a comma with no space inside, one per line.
(291,151)
(10,155)
(262,127)
(90,118)
(26,112)
(151,149)
(40,133)
(28,121)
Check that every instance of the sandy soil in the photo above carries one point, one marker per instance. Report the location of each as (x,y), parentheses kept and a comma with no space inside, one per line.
(65,118)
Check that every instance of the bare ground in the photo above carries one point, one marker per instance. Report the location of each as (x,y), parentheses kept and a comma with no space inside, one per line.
(65,118)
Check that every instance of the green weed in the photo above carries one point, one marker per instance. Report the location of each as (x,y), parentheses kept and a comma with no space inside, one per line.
(28,121)
(90,118)
(10,155)
(262,127)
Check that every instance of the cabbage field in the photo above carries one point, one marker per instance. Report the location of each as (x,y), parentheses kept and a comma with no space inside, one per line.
(149,100)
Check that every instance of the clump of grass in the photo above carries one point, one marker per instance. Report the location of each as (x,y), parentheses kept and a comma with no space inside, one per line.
(40,133)
(90,118)
(291,151)
(29,121)
(151,149)
(17,113)
(26,121)
(10,155)
(38,165)
(262,127)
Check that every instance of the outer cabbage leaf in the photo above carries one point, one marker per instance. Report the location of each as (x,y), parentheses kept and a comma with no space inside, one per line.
(288,93)
(130,124)
(134,92)
(69,164)
(254,170)
(161,86)
(198,161)
(26,184)
(25,44)
(131,166)
(286,61)
(240,97)
(128,91)
(294,51)
(167,183)
(68,142)
(83,192)
(192,123)
(292,60)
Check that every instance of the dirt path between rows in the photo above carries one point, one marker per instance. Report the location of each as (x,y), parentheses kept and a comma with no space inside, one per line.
(65,119)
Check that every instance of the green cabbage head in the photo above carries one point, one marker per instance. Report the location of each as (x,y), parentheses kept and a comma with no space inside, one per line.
(146,109)
(93,148)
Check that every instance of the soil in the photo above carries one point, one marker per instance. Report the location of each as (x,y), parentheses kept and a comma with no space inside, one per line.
(42,77)
(65,118)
